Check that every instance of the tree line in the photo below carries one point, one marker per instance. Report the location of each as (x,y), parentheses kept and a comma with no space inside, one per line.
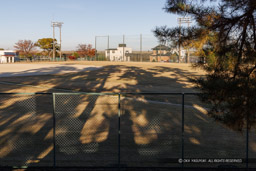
(28,49)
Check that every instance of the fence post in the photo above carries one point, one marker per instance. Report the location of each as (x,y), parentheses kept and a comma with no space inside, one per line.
(247,141)
(54,131)
(119,127)
(182,148)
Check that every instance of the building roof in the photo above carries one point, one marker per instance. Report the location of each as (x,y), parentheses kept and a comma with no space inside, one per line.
(7,52)
(7,55)
(161,47)
(111,49)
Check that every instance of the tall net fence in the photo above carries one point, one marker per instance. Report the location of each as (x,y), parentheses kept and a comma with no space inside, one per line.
(137,48)
(124,48)
(118,130)
(144,42)
(141,48)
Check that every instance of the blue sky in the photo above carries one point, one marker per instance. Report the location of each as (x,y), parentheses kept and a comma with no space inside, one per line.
(83,20)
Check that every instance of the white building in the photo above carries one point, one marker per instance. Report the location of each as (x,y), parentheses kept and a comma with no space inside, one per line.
(183,52)
(7,56)
(118,54)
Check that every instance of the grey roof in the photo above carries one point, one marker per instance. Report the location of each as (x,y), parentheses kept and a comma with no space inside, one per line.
(111,49)
(161,47)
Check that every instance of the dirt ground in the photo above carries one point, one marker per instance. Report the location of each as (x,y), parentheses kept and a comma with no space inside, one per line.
(87,125)
(86,132)
(112,77)
(28,69)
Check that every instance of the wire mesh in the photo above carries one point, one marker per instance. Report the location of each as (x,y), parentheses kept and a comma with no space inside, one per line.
(151,130)
(86,130)
(26,130)
(252,148)
(138,48)
(144,42)
(208,143)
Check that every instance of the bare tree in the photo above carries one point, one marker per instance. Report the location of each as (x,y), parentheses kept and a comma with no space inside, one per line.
(25,48)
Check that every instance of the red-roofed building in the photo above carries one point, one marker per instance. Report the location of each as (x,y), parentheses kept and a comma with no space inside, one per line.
(7,56)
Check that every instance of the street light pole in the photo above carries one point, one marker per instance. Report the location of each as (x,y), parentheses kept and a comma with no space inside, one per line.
(183,20)
(56,24)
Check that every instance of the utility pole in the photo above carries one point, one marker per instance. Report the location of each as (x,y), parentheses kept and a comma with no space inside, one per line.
(108,41)
(95,47)
(160,51)
(123,47)
(182,20)
(53,44)
(141,47)
(56,24)
(60,43)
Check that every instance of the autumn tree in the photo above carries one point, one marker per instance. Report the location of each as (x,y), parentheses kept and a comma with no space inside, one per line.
(25,48)
(85,50)
(46,44)
(225,36)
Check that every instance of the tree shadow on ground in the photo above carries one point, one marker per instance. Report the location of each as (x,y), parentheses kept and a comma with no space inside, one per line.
(48,70)
(87,125)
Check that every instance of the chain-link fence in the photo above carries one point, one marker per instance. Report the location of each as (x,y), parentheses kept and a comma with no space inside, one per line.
(117,130)
(26,130)
(86,129)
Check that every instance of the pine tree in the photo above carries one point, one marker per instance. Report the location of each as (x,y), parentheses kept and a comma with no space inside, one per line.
(225,37)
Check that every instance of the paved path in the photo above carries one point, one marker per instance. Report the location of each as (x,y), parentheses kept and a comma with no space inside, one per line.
(13,70)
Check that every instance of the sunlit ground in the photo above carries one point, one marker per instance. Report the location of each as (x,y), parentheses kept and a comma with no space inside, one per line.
(87,125)
(112,77)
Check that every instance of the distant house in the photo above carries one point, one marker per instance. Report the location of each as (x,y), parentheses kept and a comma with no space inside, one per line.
(7,56)
(118,54)
(160,53)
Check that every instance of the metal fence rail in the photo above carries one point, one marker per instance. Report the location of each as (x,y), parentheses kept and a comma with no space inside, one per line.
(117,130)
